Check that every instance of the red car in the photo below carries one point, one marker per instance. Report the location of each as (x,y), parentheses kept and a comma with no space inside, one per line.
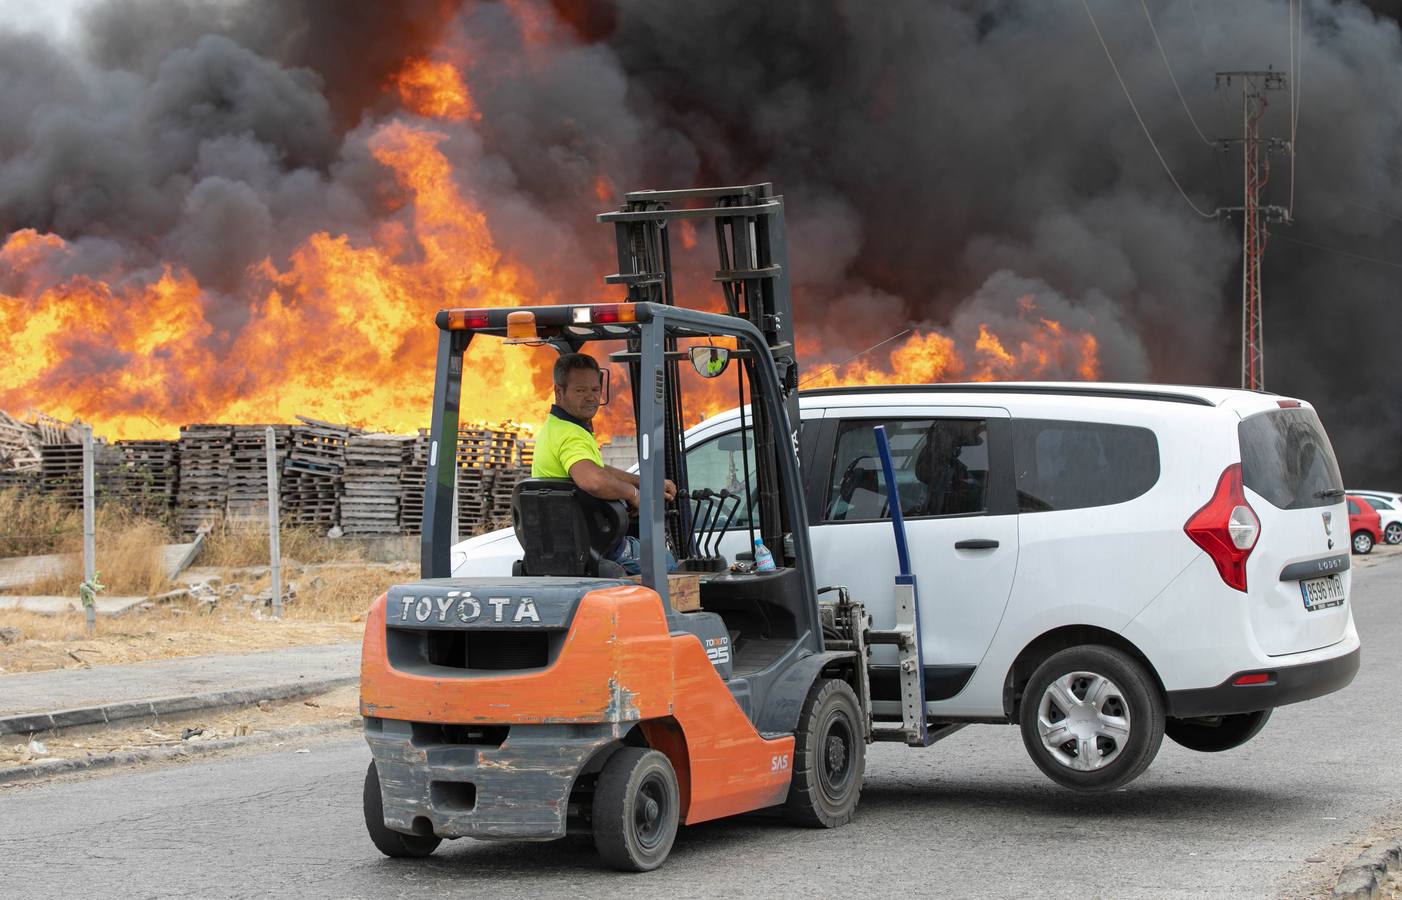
(1364,524)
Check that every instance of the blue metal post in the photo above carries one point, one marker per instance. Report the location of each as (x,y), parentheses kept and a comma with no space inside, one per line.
(906,577)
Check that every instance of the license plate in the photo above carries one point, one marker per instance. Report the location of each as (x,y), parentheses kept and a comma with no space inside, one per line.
(1322,593)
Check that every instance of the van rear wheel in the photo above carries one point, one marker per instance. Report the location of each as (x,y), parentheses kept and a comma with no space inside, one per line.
(1091,718)
(1213,734)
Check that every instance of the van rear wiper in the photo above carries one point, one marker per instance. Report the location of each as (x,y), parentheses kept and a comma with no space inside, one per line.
(1329,494)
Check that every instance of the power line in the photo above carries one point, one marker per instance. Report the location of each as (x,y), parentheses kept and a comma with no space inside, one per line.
(1372,209)
(1349,254)
(1116,69)
(1164,56)
(835,366)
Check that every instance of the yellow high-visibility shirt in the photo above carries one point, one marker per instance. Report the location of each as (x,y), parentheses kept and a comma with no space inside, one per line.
(560,443)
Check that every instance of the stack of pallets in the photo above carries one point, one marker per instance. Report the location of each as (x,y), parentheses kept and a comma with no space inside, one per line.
(474,499)
(20,480)
(150,472)
(19,447)
(311,483)
(370,502)
(482,453)
(202,493)
(248,468)
(61,472)
(504,483)
(411,484)
(485,448)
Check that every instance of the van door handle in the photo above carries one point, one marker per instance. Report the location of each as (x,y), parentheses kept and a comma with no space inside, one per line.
(976,544)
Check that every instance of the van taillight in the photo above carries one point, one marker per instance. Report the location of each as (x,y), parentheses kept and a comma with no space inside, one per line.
(1227,528)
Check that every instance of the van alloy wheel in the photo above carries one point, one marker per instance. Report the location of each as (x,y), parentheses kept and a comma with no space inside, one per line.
(1091,717)
(1083,720)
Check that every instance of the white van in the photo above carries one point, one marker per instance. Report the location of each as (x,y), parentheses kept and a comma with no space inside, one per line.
(1099,563)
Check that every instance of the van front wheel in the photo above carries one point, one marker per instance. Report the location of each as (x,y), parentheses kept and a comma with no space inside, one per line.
(1091,718)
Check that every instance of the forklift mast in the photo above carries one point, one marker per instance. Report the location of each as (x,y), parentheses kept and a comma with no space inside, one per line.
(753,276)
(752,272)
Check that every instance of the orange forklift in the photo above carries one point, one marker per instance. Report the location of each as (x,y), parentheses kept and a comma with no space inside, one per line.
(568,696)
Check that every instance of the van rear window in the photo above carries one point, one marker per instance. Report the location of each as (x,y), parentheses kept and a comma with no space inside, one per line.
(1287,459)
(1074,465)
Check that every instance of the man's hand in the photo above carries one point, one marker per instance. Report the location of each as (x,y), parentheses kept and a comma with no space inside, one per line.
(669,490)
(633,499)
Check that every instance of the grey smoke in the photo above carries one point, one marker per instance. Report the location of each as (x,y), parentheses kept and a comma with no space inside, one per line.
(940,160)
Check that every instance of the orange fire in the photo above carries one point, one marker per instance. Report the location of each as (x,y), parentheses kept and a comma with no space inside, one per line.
(435,89)
(1047,353)
(342,330)
(343,333)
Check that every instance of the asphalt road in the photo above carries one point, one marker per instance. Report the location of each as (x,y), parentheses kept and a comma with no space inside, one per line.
(968,817)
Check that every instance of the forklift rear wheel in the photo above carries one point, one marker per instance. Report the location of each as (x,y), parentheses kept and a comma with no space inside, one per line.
(636,809)
(391,842)
(829,757)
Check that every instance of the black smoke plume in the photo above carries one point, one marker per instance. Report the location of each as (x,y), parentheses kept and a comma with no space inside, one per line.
(940,160)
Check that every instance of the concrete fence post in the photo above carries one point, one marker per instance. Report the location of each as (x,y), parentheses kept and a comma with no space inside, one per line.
(274,536)
(89,526)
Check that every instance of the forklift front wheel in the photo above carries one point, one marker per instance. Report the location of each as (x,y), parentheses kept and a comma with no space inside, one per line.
(636,809)
(829,757)
(391,842)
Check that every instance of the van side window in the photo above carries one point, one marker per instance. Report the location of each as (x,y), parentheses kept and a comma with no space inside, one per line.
(718,464)
(941,468)
(1074,465)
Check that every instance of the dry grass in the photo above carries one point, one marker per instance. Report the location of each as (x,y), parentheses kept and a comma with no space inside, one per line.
(129,563)
(31,524)
(342,593)
(244,542)
(128,544)
(330,607)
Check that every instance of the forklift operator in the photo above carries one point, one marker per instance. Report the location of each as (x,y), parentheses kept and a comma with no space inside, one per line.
(565,446)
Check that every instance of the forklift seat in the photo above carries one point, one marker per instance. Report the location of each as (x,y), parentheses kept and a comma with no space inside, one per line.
(564,530)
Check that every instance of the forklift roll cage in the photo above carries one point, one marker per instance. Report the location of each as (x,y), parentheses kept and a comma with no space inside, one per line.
(655,328)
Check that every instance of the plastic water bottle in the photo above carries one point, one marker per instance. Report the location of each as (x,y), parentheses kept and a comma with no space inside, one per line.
(764,560)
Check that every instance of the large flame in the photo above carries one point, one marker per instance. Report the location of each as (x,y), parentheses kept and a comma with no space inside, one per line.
(435,88)
(342,330)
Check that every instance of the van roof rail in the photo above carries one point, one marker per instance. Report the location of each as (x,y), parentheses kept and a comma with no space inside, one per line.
(1004,388)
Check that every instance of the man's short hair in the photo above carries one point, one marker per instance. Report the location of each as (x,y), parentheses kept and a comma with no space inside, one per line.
(570,362)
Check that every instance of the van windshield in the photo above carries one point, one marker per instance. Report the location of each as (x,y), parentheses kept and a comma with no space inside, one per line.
(1287,459)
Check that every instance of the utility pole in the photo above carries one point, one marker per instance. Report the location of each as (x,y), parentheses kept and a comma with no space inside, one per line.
(1256,169)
